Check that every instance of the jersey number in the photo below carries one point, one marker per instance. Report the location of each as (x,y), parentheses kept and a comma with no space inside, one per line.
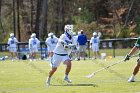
(12,42)
(52,41)
(95,40)
(34,42)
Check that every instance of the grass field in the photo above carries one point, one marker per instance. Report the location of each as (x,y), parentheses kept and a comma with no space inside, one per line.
(26,77)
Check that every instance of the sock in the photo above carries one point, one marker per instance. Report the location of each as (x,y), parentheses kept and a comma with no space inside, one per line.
(132,75)
(48,79)
(66,76)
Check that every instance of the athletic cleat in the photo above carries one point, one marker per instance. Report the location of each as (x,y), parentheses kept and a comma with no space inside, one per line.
(48,82)
(34,60)
(67,79)
(84,58)
(31,60)
(12,60)
(131,79)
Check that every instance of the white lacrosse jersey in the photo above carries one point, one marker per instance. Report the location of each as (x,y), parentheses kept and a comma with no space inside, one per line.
(33,43)
(12,42)
(95,41)
(63,40)
(75,40)
(51,43)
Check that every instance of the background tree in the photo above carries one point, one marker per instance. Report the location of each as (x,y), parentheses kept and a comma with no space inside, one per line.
(106,16)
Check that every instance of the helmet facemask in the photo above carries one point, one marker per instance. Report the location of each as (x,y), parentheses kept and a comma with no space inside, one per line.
(68,29)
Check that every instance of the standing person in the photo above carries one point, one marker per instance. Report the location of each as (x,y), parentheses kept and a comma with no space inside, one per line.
(75,51)
(137,66)
(82,41)
(12,46)
(94,44)
(51,42)
(61,54)
(33,46)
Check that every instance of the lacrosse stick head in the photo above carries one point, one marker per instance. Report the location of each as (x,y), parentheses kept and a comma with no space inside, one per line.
(90,76)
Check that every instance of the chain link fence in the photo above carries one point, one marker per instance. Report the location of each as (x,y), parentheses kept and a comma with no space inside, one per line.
(112,47)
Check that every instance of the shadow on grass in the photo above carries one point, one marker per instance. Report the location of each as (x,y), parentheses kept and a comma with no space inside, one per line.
(93,85)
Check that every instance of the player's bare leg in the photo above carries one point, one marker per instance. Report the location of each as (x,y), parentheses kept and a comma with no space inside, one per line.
(98,54)
(34,56)
(50,75)
(79,55)
(50,54)
(16,55)
(31,57)
(136,68)
(84,55)
(135,71)
(68,69)
(12,56)
(94,55)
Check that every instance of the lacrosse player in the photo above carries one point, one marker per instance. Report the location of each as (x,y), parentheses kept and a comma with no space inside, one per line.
(51,42)
(33,46)
(75,51)
(12,46)
(61,54)
(94,44)
(137,66)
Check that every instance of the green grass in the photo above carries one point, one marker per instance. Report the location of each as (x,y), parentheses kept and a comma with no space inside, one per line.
(111,52)
(26,77)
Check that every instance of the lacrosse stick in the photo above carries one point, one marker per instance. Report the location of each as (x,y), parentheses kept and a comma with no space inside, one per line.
(94,73)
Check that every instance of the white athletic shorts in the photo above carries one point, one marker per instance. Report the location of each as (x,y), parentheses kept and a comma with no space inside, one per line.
(50,49)
(32,50)
(12,49)
(95,47)
(57,59)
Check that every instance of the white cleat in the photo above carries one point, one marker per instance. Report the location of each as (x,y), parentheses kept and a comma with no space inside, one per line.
(48,82)
(12,60)
(67,79)
(131,79)
(31,60)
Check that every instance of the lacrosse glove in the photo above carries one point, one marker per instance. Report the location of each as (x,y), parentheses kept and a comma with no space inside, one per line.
(127,57)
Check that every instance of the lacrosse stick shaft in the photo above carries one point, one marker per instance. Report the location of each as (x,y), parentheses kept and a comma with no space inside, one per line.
(110,65)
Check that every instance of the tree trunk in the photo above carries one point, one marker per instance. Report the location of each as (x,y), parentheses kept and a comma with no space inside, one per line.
(14,18)
(18,21)
(32,10)
(38,10)
(1,18)
(44,20)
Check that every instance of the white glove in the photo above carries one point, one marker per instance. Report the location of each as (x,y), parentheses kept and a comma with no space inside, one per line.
(70,46)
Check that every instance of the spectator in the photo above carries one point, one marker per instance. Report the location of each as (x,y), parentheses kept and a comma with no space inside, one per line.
(12,46)
(33,46)
(82,41)
(94,45)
